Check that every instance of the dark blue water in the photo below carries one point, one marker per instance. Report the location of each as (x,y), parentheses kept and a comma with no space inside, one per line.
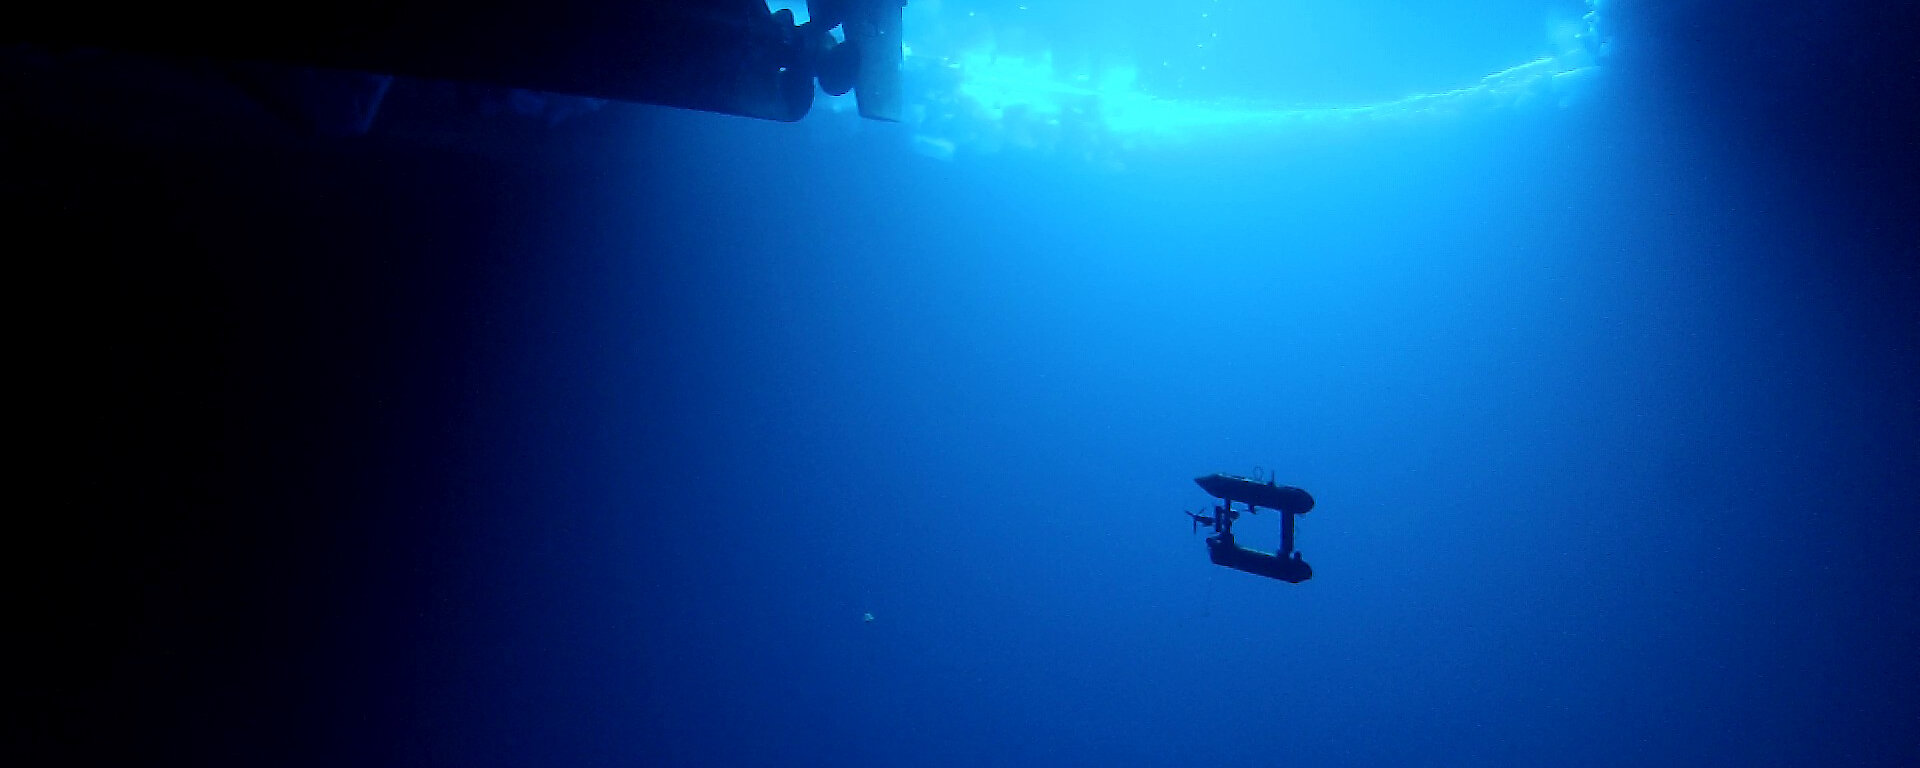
(663,438)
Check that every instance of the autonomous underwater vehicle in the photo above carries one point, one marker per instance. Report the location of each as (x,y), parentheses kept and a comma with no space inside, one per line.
(1286,564)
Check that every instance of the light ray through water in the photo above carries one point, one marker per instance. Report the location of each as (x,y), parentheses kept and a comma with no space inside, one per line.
(985,96)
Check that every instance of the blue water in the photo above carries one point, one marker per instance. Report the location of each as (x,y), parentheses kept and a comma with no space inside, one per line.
(1110,82)
(647,437)
(1609,453)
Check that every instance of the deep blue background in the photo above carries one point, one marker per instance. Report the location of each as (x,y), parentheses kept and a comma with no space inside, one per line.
(591,445)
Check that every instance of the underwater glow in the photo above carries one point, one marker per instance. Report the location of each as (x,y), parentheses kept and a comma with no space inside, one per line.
(982,96)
